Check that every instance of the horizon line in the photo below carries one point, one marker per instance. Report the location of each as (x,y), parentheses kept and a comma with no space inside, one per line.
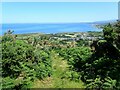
(58,22)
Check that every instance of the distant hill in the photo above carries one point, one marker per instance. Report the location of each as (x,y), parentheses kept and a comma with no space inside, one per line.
(104,22)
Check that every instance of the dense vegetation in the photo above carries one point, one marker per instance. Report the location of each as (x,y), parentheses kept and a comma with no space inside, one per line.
(21,62)
(27,59)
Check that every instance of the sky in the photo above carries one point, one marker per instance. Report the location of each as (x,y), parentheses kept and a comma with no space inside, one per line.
(60,0)
(58,12)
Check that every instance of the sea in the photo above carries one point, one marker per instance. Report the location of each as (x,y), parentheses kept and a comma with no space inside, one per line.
(48,28)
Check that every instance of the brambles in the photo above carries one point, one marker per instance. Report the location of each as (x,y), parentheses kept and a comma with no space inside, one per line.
(104,61)
(76,57)
(26,59)
(22,63)
(99,83)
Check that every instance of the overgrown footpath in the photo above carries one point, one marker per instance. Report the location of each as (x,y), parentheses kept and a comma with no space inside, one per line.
(25,65)
(61,77)
(30,63)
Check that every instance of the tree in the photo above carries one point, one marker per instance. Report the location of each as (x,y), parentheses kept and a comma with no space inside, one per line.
(105,60)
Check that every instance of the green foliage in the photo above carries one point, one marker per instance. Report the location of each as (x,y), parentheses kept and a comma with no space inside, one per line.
(19,84)
(94,84)
(82,42)
(71,75)
(44,65)
(25,60)
(108,35)
(105,60)
(99,83)
(8,36)
(8,83)
(109,83)
(76,56)
(112,33)
(22,63)
(12,54)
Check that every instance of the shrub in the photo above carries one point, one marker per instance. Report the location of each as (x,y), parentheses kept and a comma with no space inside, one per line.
(21,60)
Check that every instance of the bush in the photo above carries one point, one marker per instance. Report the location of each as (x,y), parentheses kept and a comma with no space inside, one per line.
(44,66)
(21,60)
(98,83)
(71,75)
(12,54)
(76,57)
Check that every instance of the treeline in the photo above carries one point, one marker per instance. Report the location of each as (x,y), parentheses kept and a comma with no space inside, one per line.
(97,65)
